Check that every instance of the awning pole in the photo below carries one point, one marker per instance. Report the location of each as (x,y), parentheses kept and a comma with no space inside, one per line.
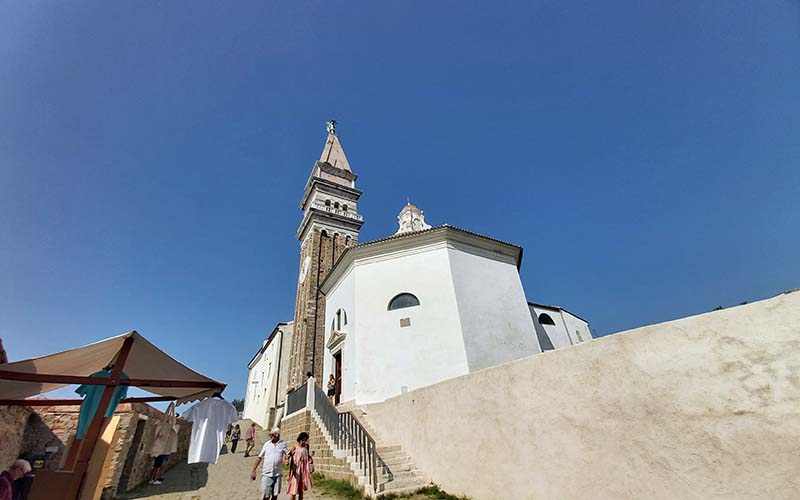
(90,441)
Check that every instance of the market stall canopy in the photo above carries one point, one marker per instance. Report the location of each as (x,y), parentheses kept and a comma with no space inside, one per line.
(146,366)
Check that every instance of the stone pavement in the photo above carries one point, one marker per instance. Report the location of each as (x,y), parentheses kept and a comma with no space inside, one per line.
(228,479)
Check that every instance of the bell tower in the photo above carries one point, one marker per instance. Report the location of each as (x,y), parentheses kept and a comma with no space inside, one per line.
(330,224)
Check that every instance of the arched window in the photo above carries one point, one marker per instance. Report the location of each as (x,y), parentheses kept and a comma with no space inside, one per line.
(336,205)
(402,301)
(327,203)
(340,319)
(545,319)
(344,207)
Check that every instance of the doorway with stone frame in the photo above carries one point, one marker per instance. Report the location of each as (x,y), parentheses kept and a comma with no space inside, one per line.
(337,375)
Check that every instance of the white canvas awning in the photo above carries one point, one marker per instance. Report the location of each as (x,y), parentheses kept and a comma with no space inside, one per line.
(146,367)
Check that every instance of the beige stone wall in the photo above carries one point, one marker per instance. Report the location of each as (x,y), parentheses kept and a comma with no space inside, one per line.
(705,407)
(141,461)
(12,426)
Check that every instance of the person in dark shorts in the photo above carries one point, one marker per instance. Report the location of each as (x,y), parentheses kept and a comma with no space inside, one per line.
(157,474)
(331,387)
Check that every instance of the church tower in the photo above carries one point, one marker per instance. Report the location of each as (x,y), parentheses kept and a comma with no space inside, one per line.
(330,224)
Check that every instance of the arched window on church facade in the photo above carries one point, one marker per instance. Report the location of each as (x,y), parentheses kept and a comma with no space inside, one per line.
(545,319)
(402,301)
(339,320)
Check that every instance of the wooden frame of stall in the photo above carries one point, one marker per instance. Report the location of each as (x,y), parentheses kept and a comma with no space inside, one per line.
(73,472)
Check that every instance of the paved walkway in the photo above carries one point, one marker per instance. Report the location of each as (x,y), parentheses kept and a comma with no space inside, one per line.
(228,479)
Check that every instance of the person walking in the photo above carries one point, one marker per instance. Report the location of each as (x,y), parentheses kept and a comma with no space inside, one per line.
(274,453)
(301,466)
(236,434)
(331,387)
(17,470)
(250,439)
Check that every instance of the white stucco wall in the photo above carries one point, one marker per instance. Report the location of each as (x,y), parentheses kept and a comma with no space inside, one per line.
(380,357)
(472,314)
(563,333)
(495,323)
(342,297)
(578,329)
(264,379)
(701,408)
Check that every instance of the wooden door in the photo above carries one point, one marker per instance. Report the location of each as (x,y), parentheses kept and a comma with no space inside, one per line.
(337,359)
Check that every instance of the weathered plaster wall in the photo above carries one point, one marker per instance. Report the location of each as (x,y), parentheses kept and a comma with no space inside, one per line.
(12,425)
(704,407)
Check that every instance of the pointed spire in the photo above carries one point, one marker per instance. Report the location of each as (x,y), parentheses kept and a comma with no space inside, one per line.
(333,152)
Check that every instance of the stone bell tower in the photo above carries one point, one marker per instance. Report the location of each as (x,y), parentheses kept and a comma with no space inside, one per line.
(330,224)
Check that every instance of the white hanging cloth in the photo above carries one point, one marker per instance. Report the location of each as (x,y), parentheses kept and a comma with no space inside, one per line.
(210,419)
(165,440)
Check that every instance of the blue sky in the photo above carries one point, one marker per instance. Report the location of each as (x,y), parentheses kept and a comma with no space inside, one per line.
(153,155)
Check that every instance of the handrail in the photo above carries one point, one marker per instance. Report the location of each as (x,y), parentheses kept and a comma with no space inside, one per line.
(296,399)
(348,433)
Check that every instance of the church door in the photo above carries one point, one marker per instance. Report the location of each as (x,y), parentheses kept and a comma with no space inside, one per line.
(337,359)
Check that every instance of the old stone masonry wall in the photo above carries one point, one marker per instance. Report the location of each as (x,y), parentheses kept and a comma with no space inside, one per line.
(48,431)
(318,255)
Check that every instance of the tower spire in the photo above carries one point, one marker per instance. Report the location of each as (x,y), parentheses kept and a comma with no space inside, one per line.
(333,154)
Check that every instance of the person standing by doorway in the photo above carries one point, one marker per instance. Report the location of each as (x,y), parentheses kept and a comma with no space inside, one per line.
(274,453)
(236,434)
(250,439)
(331,388)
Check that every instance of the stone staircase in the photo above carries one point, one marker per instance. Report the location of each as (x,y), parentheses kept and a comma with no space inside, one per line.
(396,471)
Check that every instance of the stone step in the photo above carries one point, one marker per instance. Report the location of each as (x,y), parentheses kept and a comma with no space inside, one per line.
(387,449)
(382,478)
(406,482)
(392,455)
(404,490)
(394,461)
(398,468)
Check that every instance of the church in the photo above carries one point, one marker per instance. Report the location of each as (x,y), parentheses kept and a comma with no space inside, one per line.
(423,305)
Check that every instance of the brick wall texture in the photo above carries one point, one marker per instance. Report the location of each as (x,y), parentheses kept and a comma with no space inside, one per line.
(324,461)
(308,340)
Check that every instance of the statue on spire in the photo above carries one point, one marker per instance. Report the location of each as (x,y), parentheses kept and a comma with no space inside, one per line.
(331,126)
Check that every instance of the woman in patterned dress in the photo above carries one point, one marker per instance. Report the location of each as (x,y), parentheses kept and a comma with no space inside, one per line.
(300,468)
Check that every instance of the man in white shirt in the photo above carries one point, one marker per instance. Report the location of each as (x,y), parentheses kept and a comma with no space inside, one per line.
(274,453)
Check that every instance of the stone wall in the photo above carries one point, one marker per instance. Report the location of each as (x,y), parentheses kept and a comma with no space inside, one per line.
(48,430)
(704,407)
(321,250)
(12,426)
(324,461)
(131,463)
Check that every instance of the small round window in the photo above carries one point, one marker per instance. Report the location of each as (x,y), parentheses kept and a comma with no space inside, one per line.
(402,301)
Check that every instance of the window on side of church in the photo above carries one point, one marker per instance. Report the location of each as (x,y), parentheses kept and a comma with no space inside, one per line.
(545,319)
(402,301)
(339,320)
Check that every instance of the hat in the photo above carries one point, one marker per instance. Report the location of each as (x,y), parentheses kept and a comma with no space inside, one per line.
(276,431)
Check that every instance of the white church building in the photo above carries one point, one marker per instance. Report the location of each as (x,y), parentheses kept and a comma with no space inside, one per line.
(429,304)
(422,306)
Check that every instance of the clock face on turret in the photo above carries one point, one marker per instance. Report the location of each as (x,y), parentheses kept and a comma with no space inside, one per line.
(304,268)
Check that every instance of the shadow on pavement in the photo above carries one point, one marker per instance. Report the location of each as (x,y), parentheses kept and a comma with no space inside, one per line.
(181,478)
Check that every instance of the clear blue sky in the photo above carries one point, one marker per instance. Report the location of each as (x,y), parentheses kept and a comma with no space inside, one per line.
(153,154)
